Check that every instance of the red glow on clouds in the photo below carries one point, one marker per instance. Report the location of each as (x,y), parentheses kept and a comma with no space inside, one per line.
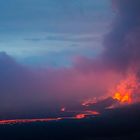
(124,92)
(89,101)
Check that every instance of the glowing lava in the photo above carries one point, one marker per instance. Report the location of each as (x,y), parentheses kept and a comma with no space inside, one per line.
(28,120)
(125,89)
(86,113)
(123,98)
(80,116)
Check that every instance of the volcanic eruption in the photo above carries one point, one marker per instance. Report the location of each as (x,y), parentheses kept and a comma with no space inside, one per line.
(121,54)
(123,49)
(126,90)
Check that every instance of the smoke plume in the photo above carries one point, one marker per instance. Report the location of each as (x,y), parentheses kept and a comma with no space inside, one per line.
(123,42)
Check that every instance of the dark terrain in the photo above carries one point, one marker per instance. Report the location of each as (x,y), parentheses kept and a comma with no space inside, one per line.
(116,124)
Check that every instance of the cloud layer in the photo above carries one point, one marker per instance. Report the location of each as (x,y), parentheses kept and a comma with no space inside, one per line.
(24,89)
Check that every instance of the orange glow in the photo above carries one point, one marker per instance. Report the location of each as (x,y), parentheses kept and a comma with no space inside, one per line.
(117,96)
(123,98)
(125,89)
(28,120)
(80,116)
(86,113)
(93,113)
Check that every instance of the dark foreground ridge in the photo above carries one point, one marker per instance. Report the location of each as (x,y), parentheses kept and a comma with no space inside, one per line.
(117,124)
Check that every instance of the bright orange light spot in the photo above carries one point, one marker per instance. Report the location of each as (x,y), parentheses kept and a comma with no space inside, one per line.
(80,116)
(94,113)
(122,98)
(86,113)
(126,88)
(126,98)
(117,96)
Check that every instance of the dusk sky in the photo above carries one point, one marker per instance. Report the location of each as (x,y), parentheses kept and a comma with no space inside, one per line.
(69,69)
(47,49)
(57,52)
(46,33)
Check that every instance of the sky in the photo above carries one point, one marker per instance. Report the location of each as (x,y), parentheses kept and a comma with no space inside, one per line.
(70,59)
(54,53)
(46,33)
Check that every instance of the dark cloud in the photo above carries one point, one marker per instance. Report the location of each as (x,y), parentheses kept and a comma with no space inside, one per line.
(15,81)
(122,44)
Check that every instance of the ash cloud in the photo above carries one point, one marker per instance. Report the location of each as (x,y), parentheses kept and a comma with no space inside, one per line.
(122,43)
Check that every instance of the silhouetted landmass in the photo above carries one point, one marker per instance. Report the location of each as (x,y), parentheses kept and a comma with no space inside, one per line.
(122,123)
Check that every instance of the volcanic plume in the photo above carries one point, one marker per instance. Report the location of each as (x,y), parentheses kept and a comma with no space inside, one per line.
(121,54)
(122,49)
(122,43)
